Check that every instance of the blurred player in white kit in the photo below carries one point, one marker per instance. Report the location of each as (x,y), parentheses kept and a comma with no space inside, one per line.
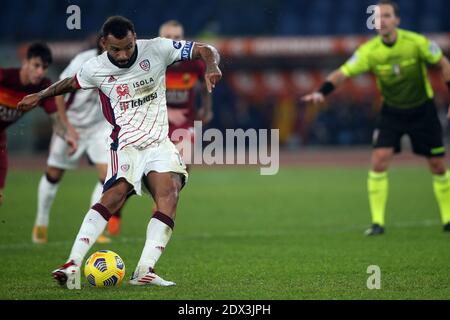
(81,111)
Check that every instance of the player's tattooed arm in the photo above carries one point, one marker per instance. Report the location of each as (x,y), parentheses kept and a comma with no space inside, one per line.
(61,87)
(211,58)
(56,89)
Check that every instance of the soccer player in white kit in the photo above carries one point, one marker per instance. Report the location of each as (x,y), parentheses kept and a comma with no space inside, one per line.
(130,77)
(86,123)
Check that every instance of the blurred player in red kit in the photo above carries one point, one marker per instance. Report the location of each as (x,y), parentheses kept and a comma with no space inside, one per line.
(16,83)
(184,82)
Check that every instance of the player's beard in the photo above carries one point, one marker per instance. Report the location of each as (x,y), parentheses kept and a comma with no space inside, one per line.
(122,62)
(125,63)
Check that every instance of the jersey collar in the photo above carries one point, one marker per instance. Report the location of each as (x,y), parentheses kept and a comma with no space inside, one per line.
(391,45)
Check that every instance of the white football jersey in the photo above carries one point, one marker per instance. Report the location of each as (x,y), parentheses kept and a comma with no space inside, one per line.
(134,99)
(83,106)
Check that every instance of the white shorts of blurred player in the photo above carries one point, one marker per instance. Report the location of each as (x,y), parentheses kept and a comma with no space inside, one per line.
(93,142)
(133,164)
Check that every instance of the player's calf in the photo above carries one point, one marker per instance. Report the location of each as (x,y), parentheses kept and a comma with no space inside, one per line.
(114,198)
(381,158)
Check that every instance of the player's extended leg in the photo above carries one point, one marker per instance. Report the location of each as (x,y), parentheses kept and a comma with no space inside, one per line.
(377,186)
(114,222)
(48,186)
(92,227)
(441,186)
(98,190)
(165,188)
(97,193)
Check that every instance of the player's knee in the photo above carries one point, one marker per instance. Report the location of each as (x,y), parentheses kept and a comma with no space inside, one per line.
(380,164)
(54,175)
(115,196)
(437,166)
(380,160)
(168,196)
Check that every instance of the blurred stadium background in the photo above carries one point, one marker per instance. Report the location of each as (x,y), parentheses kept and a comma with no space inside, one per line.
(272,53)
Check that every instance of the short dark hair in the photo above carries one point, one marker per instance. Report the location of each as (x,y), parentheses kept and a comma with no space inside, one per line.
(117,26)
(393,4)
(40,50)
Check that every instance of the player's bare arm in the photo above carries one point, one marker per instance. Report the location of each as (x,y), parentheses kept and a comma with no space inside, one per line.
(60,129)
(334,80)
(61,87)
(444,65)
(61,108)
(211,58)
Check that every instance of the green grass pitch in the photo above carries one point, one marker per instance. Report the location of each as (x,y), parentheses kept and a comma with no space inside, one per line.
(239,235)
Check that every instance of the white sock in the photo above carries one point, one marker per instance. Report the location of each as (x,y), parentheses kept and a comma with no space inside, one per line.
(93,225)
(96,193)
(158,235)
(46,195)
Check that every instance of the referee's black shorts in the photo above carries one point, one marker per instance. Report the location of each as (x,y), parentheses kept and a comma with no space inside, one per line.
(421,124)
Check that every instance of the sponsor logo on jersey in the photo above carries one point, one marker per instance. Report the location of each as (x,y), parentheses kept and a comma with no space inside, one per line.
(186,51)
(176,44)
(145,65)
(124,105)
(144,82)
(125,167)
(123,91)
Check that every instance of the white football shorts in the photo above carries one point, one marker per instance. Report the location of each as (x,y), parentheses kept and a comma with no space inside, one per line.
(93,142)
(133,164)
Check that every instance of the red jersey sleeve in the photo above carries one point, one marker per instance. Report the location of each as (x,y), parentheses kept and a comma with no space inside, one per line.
(49,105)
